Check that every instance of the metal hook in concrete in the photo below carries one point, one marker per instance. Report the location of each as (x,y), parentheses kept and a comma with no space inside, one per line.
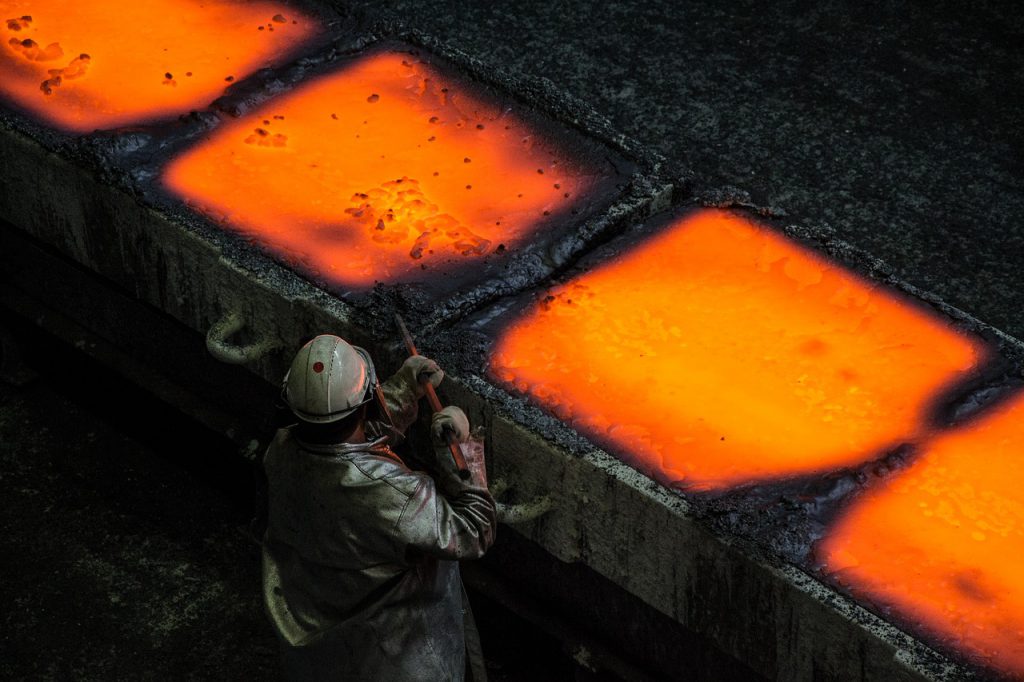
(527,511)
(519,513)
(219,347)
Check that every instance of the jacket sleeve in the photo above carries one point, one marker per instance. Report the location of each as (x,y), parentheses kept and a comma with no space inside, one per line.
(402,401)
(459,525)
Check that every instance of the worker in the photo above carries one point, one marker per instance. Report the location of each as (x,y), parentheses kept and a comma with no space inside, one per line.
(360,556)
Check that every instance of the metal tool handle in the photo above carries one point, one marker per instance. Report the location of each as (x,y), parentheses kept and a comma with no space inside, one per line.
(435,404)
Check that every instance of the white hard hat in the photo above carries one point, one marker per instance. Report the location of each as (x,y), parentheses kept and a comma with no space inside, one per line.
(328,380)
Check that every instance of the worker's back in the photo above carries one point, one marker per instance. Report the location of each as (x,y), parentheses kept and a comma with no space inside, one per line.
(344,583)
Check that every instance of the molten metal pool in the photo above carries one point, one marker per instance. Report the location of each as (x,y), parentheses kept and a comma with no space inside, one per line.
(719,353)
(941,543)
(81,66)
(387,170)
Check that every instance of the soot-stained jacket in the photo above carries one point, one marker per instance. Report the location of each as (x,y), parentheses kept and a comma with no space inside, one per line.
(360,572)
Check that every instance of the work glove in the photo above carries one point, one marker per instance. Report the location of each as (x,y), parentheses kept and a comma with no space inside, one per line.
(452,419)
(416,370)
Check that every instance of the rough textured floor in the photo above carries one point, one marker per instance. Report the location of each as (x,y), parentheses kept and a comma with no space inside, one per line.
(117,561)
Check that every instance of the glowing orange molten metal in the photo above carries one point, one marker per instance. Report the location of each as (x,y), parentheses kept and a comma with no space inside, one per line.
(942,543)
(719,352)
(88,65)
(377,173)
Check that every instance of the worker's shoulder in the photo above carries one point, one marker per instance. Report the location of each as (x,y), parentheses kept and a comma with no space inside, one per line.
(283,439)
(350,468)
(385,467)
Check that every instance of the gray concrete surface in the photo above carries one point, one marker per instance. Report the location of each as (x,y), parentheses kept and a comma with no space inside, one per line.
(899,124)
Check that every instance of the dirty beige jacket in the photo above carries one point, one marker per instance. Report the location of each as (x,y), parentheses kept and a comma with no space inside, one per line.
(360,572)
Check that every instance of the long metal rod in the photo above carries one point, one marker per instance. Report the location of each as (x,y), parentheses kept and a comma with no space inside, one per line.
(435,403)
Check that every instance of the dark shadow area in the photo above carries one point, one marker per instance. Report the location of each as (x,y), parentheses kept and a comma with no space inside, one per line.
(122,533)
(126,544)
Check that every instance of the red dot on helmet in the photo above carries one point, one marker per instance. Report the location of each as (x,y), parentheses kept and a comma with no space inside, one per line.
(318,367)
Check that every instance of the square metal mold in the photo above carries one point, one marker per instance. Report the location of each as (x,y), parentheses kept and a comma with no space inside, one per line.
(773,386)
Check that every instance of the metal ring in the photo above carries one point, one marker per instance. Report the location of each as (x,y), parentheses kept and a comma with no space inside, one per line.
(219,347)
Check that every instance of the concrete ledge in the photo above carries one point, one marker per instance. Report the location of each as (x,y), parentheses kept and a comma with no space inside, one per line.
(773,617)
(193,279)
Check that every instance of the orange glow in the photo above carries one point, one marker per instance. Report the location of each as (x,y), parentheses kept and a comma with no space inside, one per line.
(942,543)
(718,353)
(378,172)
(88,65)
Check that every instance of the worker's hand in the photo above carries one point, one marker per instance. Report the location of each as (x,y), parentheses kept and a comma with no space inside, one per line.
(451,419)
(472,446)
(416,370)
(473,453)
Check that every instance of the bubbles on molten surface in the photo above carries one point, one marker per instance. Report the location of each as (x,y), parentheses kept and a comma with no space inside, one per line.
(942,542)
(120,53)
(719,353)
(379,172)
